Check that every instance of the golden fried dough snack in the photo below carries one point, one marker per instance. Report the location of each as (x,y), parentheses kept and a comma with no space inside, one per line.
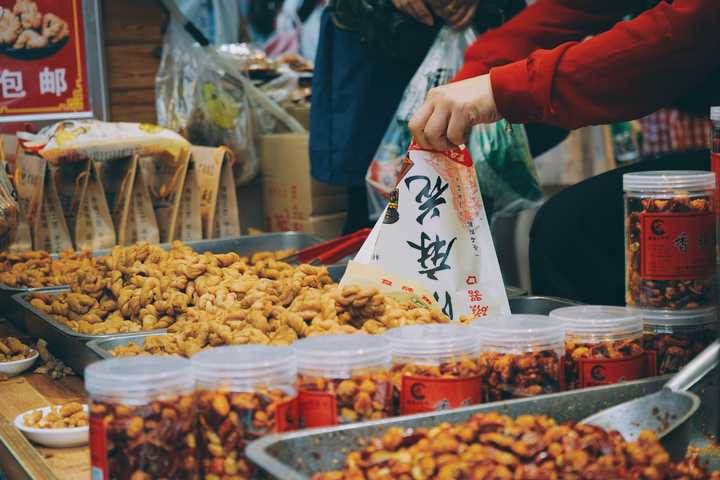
(70,415)
(490,445)
(38,269)
(12,349)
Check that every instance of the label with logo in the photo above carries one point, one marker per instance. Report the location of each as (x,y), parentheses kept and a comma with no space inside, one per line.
(715,166)
(317,409)
(98,449)
(677,246)
(287,415)
(428,394)
(605,371)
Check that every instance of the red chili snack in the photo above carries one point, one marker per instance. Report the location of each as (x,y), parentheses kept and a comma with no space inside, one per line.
(670,239)
(494,446)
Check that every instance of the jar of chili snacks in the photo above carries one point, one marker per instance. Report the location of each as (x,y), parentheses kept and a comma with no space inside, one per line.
(672,339)
(603,345)
(243,393)
(142,418)
(670,239)
(435,367)
(343,379)
(521,356)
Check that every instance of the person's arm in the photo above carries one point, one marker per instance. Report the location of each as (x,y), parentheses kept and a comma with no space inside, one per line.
(545,24)
(625,73)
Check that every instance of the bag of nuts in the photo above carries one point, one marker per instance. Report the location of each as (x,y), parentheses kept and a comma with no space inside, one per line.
(435,367)
(521,356)
(435,232)
(243,393)
(603,345)
(143,418)
(343,379)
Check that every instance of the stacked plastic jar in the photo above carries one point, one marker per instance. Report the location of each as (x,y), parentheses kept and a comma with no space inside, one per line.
(521,356)
(672,339)
(603,345)
(142,418)
(343,379)
(670,239)
(243,393)
(435,367)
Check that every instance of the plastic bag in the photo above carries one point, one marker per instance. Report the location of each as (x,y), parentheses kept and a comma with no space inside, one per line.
(501,155)
(433,241)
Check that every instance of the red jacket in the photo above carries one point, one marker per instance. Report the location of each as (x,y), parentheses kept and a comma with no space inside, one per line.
(543,71)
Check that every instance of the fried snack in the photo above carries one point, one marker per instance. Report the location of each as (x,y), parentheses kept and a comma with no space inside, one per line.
(365,396)
(494,446)
(12,349)
(520,375)
(665,294)
(54,28)
(10,26)
(30,39)
(674,350)
(229,421)
(29,15)
(38,269)
(70,415)
(576,352)
(155,440)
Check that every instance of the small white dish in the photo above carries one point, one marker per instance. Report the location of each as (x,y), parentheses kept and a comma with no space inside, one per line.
(18,366)
(53,437)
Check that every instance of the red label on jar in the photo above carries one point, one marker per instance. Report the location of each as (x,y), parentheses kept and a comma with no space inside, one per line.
(677,246)
(715,166)
(605,371)
(428,394)
(98,449)
(317,409)
(651,357)
(287,415)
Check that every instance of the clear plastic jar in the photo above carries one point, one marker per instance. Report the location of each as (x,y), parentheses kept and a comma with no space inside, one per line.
(434,367)
(343,379)
(521,356)
(142,418)
(672,339)
(670,239)
(603,345)
(243,393)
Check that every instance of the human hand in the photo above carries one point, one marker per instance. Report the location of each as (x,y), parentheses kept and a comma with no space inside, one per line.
(449,112)
(457,14)
(416,9)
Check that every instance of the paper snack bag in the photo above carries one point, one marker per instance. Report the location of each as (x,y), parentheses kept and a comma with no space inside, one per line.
(434,233)
(129,201)
(28,179)
(189,220)
(165,177)
(50,230)
(219,208)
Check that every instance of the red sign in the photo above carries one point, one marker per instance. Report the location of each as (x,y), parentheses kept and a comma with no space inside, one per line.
(43,65)
(430,394)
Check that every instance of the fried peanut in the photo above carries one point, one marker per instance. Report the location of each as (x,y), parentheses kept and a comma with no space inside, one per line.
(674,350)
(521,375)
(70,415)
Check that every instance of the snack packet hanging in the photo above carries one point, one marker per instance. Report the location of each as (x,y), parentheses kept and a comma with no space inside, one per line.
(74,140)
(435,233)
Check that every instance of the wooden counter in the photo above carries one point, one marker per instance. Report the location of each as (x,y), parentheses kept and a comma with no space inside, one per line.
(20,459)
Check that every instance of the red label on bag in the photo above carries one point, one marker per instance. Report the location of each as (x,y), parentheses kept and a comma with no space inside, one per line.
(98,449)
(605,371)
(677,246)
(317,409)
(428,394)
(287,415)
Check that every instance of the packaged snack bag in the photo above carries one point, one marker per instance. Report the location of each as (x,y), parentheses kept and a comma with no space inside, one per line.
(219,208)
(165,180)
(435,233)
(189,219)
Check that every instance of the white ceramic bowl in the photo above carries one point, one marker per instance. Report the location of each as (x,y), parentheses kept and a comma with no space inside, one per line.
(53,437)
(18,366)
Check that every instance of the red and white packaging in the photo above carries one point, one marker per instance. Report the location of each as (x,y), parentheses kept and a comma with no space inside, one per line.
(433,241)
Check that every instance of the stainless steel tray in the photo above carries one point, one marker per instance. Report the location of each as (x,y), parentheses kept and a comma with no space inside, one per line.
(539,305)
(103,347)
(65,343)
(297,455)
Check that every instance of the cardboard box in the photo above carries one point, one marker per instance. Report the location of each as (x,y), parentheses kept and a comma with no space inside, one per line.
(301,114)
(322,226)
(289,192)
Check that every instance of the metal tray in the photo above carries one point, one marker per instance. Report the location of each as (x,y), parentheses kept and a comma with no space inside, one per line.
(103,347)
(65,343)
(539,305)
(297,455)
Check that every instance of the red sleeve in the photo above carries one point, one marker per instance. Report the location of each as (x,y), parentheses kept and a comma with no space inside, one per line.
(627,72)
(545,24)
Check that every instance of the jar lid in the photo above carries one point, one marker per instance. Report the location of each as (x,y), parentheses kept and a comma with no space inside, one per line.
(433,341)
(679,318)
(598,321)
(669,180)
(337,356)
(715,114)
(520,333)
(238,366)
(139,378)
